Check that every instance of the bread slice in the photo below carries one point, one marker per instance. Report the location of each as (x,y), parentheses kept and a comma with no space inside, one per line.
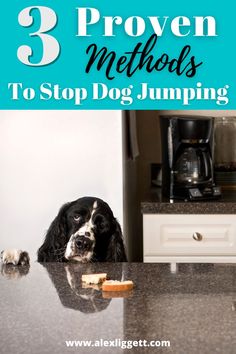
(94,278)
(115,285)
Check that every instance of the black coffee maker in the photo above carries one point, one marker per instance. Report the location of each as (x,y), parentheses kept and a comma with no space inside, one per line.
(187,158)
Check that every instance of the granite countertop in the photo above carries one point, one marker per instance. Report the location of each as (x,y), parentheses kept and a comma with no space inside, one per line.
(193,307)
(154,203)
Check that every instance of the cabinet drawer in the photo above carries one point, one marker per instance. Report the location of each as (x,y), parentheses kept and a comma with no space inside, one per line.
(189,235)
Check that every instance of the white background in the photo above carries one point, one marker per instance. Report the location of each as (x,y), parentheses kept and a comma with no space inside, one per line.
(50,157)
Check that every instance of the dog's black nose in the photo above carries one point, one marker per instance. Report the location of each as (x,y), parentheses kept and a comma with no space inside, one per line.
(83,243)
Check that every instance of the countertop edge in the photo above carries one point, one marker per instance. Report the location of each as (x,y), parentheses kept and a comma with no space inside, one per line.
(188,208)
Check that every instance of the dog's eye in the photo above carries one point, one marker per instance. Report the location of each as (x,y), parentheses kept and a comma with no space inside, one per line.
(77,217)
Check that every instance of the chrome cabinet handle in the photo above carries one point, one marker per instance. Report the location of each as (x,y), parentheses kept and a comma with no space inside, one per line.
(197,236)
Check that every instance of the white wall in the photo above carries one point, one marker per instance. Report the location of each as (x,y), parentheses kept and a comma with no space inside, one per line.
(51,157)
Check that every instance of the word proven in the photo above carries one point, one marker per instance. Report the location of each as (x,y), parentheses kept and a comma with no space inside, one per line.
(135,26)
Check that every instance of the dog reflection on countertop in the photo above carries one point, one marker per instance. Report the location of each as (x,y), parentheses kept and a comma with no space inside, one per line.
(72,293)
(66,278)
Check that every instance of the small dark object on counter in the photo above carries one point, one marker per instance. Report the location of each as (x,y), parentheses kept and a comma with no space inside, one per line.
(15,257)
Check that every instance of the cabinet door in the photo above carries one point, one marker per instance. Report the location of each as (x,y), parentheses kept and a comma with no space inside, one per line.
(189,235)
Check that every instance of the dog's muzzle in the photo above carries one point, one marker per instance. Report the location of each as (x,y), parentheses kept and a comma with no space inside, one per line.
(80,247)
(83,243)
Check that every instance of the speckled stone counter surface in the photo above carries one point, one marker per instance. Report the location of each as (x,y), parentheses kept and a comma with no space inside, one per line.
(154,203)
(193,307)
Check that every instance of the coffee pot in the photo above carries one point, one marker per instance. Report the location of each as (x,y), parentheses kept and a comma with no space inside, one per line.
(187,158)
(193,166)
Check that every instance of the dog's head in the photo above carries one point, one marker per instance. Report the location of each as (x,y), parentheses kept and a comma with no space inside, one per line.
(84,230)
(90,222)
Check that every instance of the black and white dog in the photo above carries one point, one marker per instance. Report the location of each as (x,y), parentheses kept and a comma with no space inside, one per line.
(84,230)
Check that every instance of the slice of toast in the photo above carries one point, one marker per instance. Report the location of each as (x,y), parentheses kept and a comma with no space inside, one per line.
(115,285)
(94,278)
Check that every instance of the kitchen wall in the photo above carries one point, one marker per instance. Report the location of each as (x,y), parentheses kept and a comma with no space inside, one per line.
(138,172)
(51,157)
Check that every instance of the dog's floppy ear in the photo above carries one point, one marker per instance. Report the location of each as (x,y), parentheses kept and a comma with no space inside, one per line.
(55,239)
(116,249)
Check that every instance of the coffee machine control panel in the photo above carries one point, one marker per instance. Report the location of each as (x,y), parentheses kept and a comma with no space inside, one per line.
(196,193)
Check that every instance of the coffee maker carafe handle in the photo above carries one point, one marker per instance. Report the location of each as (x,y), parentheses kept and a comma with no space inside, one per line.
(170,146)
(206,162)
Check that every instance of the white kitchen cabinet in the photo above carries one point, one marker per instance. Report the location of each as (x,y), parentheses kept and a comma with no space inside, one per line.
(189,238)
